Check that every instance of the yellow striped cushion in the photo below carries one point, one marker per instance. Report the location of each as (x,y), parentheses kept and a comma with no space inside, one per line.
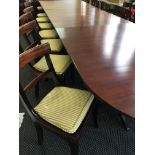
(55,44)
(42,19)
(45,25)
(48,34)
(41,15)
(65,107)
(39,8)
(60,63)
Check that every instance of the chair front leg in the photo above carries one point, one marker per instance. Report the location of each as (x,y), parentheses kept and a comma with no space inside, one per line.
(95,114)
(123,119)
(37,90)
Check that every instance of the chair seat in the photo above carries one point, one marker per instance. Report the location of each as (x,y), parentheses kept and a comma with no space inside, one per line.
(42,19)
(39,8)
(60,63)
(65,107)
(48,34)
(45,25)
(55,44)
(41,15)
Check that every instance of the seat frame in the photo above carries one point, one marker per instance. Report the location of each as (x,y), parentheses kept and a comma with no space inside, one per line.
(39,123)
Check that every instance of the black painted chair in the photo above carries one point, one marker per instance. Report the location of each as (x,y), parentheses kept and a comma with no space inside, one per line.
(95,3)
(63,110)
(121,12)
(105,6)
(87,1)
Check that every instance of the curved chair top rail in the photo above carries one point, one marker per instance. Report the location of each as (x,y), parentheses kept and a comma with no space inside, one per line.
(33,53)
(28,9)
(27,4)
(28,27)
(26,17)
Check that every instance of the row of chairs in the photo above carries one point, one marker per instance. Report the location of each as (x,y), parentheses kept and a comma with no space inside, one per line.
(41,33)
(121,11)
(64,110)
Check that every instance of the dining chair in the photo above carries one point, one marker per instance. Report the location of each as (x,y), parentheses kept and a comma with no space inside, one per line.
(46,30)
(95,3)
(121,12)
(64,111)
(105,6)
(35,4)
(32,29)
(130,6)
(40,17)
(28,16)
(87,1)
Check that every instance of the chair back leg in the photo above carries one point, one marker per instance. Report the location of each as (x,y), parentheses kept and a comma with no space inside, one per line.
(74,146)
(95,114)
(39,131)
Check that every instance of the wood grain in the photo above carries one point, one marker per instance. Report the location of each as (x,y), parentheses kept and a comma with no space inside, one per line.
(33,53)
(76,13)
(101,46)
(105,59)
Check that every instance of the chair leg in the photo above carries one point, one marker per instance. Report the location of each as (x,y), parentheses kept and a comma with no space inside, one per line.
(123,119)
(71,75)
(95,112)
(20,49)
(39,131)
(37,90)
(74,146)
(63,80)
(74,75)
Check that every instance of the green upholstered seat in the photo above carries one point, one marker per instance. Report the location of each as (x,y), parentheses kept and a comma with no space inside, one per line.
(45,25)
(60,63)
(41,15)
(48,34)
(39,8)
(42,19)
(65,107)
(55,44)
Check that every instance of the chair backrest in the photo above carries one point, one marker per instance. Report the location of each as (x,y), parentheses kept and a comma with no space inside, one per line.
(30,28)
(25,18)
(95,3)
(33,53)
(105,6)
(32,9)
(124,13)
(25,58)
(28,9)
(27,4)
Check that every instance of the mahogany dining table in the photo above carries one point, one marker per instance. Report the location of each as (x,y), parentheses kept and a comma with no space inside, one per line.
(102,48)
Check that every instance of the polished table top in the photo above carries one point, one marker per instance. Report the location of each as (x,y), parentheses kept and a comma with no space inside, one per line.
(76,13)
(103,53)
